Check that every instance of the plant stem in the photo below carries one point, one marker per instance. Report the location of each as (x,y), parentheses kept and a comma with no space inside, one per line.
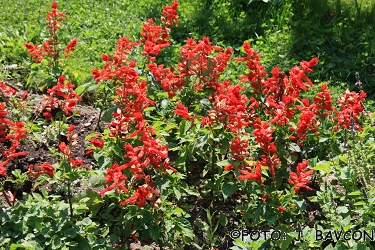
(70,199)
(213,163)
(97,124)
(6,197)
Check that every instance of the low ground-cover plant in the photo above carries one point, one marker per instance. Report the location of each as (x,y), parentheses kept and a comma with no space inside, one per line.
(279,146)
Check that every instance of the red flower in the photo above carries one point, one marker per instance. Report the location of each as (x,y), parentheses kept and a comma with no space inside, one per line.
(70,47)
(256,175)
(206,121)
(89,151)
(117,178)
(25,95)
(97,143)
(301,178)
(71,128)
(134,237)
(76,162)
(65,149)
(281,209)
(323,101)
(44,168)
(3,170)
(142,194)
(182,111)
(263,134)
(351,105)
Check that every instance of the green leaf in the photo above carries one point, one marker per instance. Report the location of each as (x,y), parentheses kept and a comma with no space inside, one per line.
(342,210)
(209,217)
(164,103)
(92,88)
(107,115)
(301,204)
(177,193)
(71,232)
(355,193)
(38,136)
(18,247)
(294,147)
(40,181)
(38,197)
(178,211)
(185,226)
(81,209)
(223,163)
(346,173)
(184,127)
(323,166)
(323,139)
(86,221)
(189,190)
(5,241)
(224,146)
(82,243)
(360,203)
(56,243)
(170,126)
(229,187)
(80,89)
(223,220)
(205,102)
(154,232)
(103,161)
(202,141)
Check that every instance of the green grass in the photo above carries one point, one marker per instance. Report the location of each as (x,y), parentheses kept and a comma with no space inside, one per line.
(340,33)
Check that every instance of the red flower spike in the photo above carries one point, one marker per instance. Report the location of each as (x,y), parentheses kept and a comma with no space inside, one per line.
(3,170)
(97,143)
(256,175)
(301,178)
(351,105)
(117,178)
(182,111)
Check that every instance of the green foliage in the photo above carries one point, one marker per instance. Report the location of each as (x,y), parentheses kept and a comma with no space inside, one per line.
(42,222)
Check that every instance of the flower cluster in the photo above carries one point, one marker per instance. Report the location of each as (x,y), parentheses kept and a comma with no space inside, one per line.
(263,133)
(118,66)
(351,105)
(9,130)
(128,120)
(301,178)
(198,63)
(50,48)
(230,107)
(155,37)
(61,96)
(182,111)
